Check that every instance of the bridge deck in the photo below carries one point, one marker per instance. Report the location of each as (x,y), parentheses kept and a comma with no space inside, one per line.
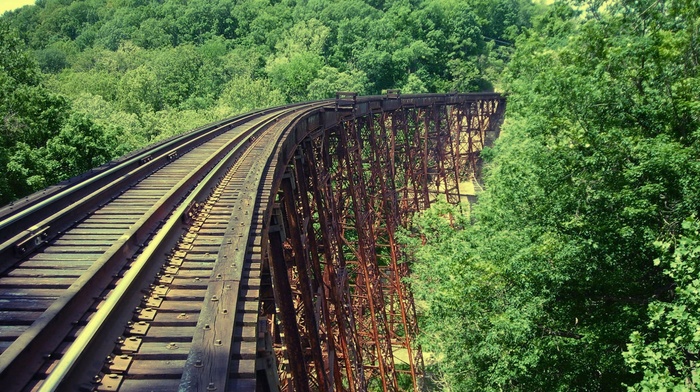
(183,263)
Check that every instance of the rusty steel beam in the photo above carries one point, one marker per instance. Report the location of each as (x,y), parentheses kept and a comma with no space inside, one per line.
(348,180)
(286,309)
(296,234)
(335,279)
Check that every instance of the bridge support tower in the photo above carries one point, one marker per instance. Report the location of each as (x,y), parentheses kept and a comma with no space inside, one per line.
(340,314)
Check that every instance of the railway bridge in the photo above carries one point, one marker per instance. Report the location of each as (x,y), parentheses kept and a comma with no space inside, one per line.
(258,253)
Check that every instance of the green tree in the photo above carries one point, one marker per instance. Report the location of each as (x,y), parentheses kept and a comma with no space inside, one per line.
(330,80)
(595,164)
(292,75)
(667,352)
(139,91)
(243,94)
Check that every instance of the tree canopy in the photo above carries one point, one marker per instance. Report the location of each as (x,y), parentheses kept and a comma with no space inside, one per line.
(576,271)
(141,70)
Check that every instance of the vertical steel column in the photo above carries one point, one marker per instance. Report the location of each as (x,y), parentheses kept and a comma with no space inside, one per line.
(335,274)
(368,279)
(383,147)
(453,142)
(301,261)
(425,139)
(285,305)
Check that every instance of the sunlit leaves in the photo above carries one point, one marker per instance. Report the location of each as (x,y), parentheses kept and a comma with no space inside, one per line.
(596,164)
(292,75)
(666,354)
(330,80)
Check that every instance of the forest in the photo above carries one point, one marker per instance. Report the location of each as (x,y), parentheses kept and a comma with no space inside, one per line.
(579,267)
(84,81)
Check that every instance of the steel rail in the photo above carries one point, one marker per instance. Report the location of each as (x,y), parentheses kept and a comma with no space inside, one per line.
(55,321)
(131,283)
(13,218)
(38,220)
(204,369)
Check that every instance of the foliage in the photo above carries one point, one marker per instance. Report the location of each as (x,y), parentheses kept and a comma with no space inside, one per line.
(667,352)
(138,64)
(29,114)
(596,163)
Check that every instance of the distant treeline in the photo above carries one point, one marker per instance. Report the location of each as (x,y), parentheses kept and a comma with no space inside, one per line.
(85,81)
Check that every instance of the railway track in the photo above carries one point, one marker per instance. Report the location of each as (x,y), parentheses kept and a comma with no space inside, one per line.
(218,260)
(131,275)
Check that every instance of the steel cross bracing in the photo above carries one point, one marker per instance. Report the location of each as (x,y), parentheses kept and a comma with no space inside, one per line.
(343,317)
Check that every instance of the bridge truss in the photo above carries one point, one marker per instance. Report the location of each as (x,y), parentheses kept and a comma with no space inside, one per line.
(337,312)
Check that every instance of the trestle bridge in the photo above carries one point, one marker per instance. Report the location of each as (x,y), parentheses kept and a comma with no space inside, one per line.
(258,253)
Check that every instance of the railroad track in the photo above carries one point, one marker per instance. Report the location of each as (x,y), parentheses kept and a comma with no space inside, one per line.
(130,275)
(203,263)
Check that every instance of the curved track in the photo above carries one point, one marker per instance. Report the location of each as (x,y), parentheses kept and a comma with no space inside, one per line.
(94,248)
(216,260)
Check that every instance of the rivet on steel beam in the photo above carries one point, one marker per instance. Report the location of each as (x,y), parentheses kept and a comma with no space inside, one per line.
(198,363)
(224,311)
(206,326)
(214,298)
(218,342)
(211,387)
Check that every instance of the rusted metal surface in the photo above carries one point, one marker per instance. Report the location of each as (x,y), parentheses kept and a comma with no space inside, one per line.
(280,271)
(346,184)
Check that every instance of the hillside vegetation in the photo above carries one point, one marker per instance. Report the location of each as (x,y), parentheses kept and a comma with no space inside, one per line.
(580,268)
(107,76)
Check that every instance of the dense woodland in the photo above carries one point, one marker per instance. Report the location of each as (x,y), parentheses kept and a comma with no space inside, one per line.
(84,81)
(579,267)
